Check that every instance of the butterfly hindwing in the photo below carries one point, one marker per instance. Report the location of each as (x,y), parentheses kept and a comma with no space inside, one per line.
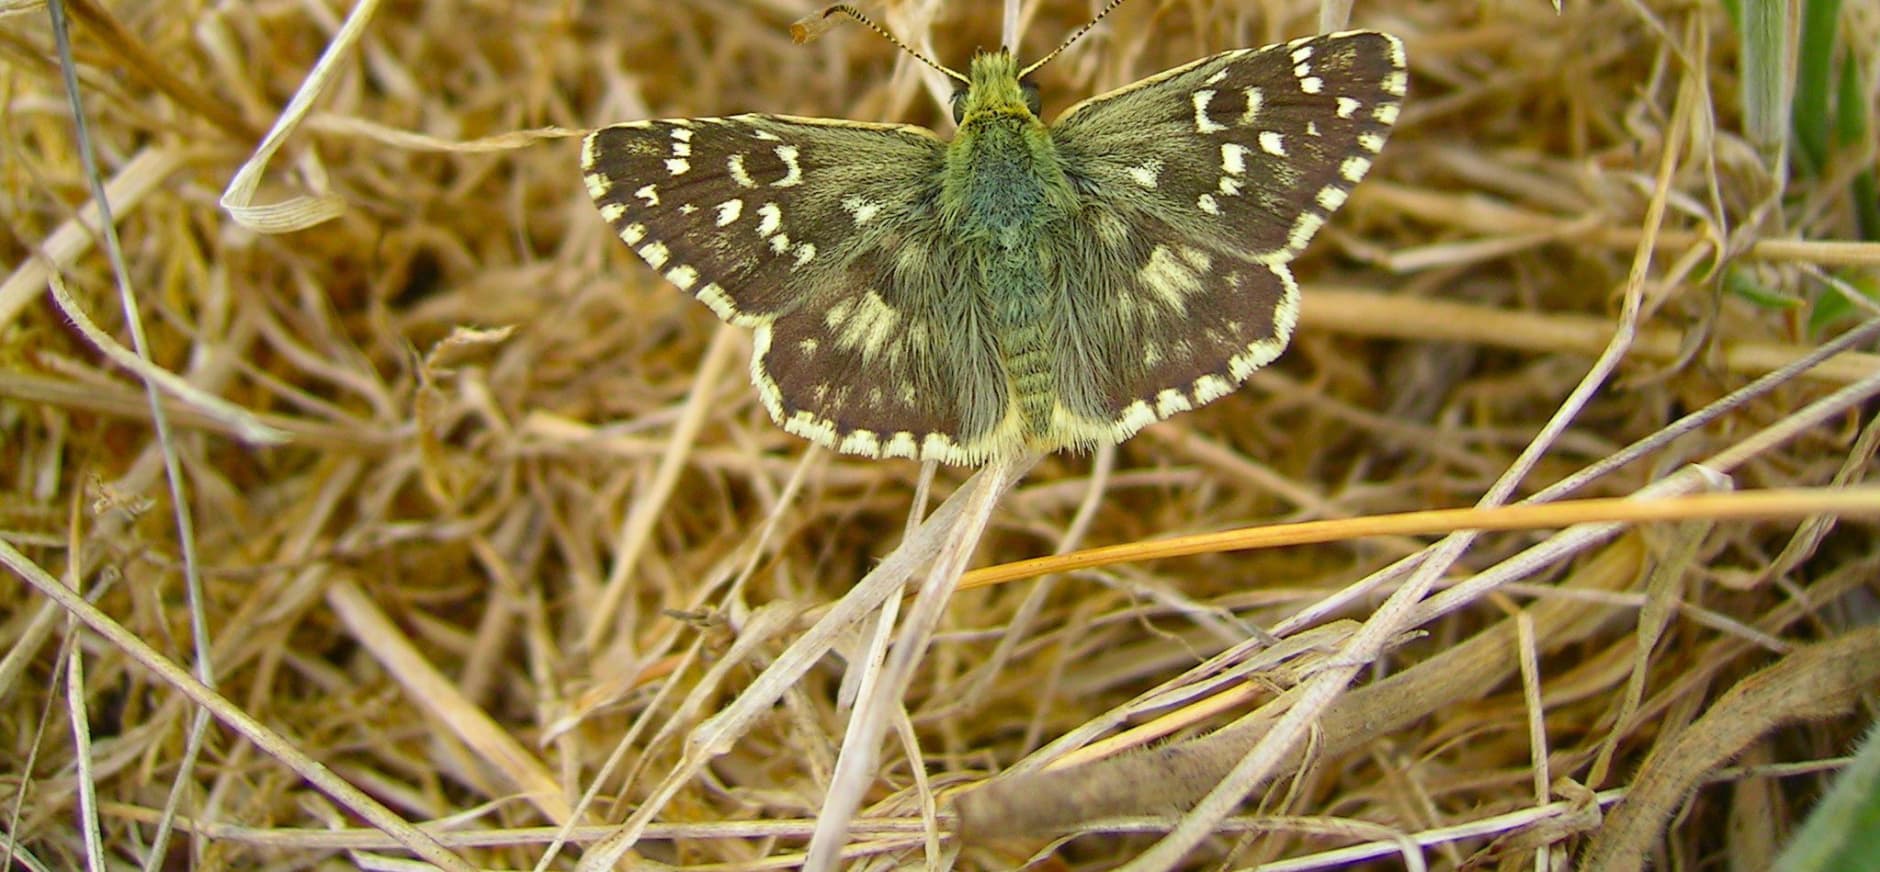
(823,236)
(1161,324)
(890,361)
(1197,187)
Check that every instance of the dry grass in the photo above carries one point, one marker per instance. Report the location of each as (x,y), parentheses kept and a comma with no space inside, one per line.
(486,531)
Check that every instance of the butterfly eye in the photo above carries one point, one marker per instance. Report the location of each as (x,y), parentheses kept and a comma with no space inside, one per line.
(1031,96)
(959,105)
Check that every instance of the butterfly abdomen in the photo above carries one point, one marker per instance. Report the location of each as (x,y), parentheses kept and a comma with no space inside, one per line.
(1015,298)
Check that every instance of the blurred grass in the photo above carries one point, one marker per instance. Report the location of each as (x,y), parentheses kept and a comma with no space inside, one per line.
(488,490)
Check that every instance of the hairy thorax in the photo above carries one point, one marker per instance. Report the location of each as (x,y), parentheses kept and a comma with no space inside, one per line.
(1002,171)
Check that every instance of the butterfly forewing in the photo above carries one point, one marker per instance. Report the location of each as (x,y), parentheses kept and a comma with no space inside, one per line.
(1246,151)
(726,207)
(824,237)
(1199,185)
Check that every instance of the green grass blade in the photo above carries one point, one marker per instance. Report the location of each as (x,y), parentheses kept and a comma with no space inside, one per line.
(1842,834)
(1763,25)
(1851,129)
(1814,83)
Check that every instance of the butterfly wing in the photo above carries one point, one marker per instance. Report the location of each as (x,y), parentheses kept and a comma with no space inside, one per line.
(824,238)
(1197,187)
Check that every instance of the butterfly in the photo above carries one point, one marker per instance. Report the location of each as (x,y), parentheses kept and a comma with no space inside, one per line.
(1022,286)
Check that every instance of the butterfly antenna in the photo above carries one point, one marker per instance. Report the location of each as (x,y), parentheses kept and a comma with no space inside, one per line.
(1073,38)
(811,26)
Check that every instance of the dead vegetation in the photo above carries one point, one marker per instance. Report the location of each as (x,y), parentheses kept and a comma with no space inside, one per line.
(486,526)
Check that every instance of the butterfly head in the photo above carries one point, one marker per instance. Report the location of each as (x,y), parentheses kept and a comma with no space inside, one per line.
(995,87)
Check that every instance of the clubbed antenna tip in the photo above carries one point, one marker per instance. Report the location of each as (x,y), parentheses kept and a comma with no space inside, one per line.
(813,25)
(817,23)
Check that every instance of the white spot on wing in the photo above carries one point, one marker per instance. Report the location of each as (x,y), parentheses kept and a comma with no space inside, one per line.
(938,447)
(1234,158)
(861,209)
(1209,388)
(734,165)
(769,218)
(1307,224)
(767,392)
(1169,277)
(861,442)
(728,211)
(901,444)
(1311,84)
(683,276)
(1254,99)
(714,298)
(1169,402)
(793,173)
(837,314)
(1348,107)
(1145,175)
(1137,416)
(1331,197)
(1272,144)
(1204,124)
(1207,203)
(655,253)
(868,325)
(649,193)
(806,424)
(1354,168)
(1285,316)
